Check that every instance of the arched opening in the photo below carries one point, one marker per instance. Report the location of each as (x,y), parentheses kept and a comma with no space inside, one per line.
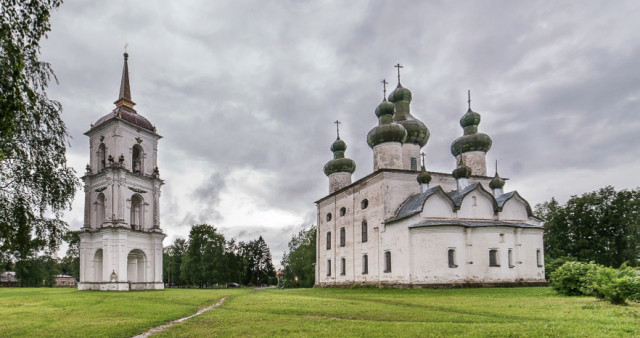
(136,159)
(97,266)
(102,157)
(136,266)
(136,212)
(100,210)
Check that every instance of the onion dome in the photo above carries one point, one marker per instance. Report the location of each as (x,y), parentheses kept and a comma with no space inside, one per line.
(471,140)
(339,163)
(497,182)
(417,131)
(386,130)
(124,105)
(462,171)
(424,177)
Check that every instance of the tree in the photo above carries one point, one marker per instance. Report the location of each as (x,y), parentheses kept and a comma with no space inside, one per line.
(299,262)
(70,263)
(257,263)
(173,258)
(35,183)
(601,226)
(204,261)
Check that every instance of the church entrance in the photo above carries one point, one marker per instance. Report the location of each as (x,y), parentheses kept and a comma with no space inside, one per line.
(136,266)
(97,266)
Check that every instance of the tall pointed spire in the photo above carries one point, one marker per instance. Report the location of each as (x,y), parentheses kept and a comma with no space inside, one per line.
(124,98)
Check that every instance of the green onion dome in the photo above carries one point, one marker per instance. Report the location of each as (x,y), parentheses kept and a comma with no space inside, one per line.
(462,171)
(417,131)
(471,140)
(424,177)
(386,130)
(497,182)
(339,162)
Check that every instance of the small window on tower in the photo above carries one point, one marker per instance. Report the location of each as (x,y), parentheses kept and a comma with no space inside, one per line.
(329,240)
(343,211)
(342,237)
(364,203)
(414,163)
(343,267)
(365,230)
(328,217)
(102,157)
(136,159)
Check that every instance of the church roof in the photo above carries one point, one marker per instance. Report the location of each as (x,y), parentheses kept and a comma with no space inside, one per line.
(472,224)
(413,205)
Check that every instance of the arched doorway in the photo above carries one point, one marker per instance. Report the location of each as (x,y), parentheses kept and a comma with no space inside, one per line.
(136,266)
(97,266)
(136,212)
(100,210)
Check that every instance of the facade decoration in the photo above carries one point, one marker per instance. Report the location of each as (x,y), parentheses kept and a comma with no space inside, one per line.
(406,226)
(121,240)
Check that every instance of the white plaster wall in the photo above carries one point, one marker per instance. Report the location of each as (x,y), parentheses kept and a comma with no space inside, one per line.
(476,161)
(410,150)
(476,205)
(338,181)
(387,155)
(438,206)
(513,210)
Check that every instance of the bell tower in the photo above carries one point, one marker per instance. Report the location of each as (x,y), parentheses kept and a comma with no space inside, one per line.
(121,240)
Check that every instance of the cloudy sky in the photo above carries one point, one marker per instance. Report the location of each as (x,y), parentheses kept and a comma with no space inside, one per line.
(245,93)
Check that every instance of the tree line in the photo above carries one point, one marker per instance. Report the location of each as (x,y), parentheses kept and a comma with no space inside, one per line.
(207,259)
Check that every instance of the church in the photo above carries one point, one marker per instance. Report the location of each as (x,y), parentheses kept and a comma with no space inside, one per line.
(121,239)
(403,226)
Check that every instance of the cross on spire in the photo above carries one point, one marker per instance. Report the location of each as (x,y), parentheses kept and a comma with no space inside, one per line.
(384,88)
(124,97)
(337,127)
(399,66)
(496,167)
(469,98)
(422,155)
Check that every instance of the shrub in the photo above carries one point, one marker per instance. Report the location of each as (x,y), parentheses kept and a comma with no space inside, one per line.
(574,278)
(616,285)
(552,264)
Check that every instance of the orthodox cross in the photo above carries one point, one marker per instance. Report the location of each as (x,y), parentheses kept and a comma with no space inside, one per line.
(469,98)
(337,127)
(399,66)
(125,47)
(384,88)
(422,155)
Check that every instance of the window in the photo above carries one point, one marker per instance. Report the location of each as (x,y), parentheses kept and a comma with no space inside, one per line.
(328,217)
(102,156)
(452,258)
(364,203)
(387,261)
(510,258)
(539,257)
(329,240)
(414,163)
(136,159)
(364,232)
(136,211)
(63,283)
(100,210)
(493,258)
(343,211)
(342,237)
(365,264)
(328,267)
(501,238)
(343,267)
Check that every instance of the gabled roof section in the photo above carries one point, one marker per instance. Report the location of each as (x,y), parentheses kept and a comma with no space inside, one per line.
(458,196)
(415,203)
(473,224)
(502,199)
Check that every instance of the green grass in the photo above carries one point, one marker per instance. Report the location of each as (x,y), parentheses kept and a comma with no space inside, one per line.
(68,312)
(315,312)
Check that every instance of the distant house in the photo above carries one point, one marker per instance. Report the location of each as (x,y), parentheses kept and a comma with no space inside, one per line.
(8,279)
(65,280)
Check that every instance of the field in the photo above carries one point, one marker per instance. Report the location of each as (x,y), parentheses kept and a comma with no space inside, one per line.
(315,312)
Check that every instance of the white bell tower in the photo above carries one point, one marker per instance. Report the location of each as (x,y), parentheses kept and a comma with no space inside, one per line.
(121,240)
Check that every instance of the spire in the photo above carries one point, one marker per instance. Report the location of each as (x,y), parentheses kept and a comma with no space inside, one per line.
(497,183)
(124,98)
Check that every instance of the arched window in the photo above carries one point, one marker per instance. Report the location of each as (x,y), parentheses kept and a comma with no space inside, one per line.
(136,266)
(493,258)
(539,258)
(100,210)
(102,157)
(343,239)
(365,264)
(387,261)
(343,267)
(136,159)
(328,267)
(510,258)
(136,212)
(329,240)
(328,217)
(364,203)
(343,211)
(365,235)
(452,258)
(97,266)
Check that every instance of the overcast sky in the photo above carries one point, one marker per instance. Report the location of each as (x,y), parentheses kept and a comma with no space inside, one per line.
(244,94)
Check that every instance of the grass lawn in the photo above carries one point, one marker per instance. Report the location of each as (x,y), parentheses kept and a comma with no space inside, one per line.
(315,312)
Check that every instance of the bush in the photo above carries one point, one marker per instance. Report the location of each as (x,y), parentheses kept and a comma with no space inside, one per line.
(616,285)
(574,278)
(552,264)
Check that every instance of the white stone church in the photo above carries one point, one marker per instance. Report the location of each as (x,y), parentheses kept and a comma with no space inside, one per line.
(401,226)
(121,240)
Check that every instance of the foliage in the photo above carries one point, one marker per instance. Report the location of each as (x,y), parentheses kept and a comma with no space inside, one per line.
(483,312)
(299,262)
(173,257)
(574,278)
(37,271)
(552,264)
(70,263)
(601,226)
(616,285)
(66,312)
(259,268)
(203,263)
(35,183)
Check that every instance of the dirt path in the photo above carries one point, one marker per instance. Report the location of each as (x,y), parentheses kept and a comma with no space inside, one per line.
(165,326)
